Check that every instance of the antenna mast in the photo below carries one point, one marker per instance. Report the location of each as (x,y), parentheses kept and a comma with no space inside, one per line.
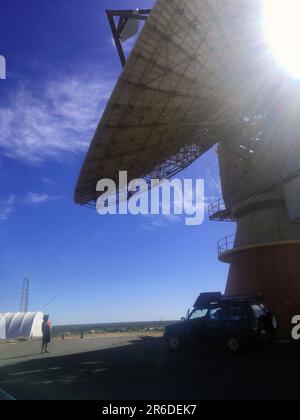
(25,295)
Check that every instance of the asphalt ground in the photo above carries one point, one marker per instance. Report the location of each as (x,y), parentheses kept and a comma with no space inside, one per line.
(134,368)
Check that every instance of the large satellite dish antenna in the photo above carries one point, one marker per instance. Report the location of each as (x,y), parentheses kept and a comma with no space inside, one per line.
(201,73)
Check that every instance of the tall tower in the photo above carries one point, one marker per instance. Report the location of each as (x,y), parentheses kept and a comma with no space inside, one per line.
(25,295)
(261,193)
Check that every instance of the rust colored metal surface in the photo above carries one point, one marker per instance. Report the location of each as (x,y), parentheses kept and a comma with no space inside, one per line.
(272,272)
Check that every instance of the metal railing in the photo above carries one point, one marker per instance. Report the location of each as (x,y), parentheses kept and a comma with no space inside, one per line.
(217,211)
(226,244)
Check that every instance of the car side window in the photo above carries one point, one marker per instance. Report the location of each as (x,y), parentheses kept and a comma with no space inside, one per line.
(259,310)
(217,314)
(237,313)
(198,313)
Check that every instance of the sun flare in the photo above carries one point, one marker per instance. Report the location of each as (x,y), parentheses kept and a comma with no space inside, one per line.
(282,31)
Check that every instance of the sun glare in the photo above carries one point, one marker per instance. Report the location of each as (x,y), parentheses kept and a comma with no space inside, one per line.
(282,30)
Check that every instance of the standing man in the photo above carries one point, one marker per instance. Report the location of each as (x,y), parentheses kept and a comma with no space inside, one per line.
(46,330)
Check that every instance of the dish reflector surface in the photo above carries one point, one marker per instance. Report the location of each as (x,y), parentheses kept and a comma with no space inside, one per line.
(198,73)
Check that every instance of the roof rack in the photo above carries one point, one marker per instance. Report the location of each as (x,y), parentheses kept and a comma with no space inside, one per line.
(209,298)
(243,297)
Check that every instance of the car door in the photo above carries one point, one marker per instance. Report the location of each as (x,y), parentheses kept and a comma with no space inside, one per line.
(197,326)
(239,316)
(217,324)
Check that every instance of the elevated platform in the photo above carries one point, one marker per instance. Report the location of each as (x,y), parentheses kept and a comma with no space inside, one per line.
(218,212)
(226,248)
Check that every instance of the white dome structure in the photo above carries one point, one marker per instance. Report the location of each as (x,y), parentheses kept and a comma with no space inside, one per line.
(21,325)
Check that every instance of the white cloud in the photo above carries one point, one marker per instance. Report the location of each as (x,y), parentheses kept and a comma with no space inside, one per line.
(7,207)
(10,205)
(47,181)
(60,118)
(36,198)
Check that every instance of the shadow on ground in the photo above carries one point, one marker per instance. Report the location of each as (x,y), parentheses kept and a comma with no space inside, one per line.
(145,370)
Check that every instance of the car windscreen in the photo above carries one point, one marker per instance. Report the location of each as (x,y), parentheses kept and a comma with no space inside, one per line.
(198,313)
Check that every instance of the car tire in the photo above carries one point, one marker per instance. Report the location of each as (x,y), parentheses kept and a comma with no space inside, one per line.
(174,343)
(233,344)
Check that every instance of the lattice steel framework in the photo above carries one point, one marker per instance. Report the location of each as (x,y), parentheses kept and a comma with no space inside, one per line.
(198,75)
(25,295)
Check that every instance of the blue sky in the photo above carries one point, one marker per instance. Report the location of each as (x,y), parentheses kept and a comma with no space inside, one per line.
(61,67)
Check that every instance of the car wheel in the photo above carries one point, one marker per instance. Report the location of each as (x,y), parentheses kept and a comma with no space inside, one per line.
(234,345)
(174,343)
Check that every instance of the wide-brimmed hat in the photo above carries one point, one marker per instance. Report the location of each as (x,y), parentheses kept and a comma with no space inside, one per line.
(46,317)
